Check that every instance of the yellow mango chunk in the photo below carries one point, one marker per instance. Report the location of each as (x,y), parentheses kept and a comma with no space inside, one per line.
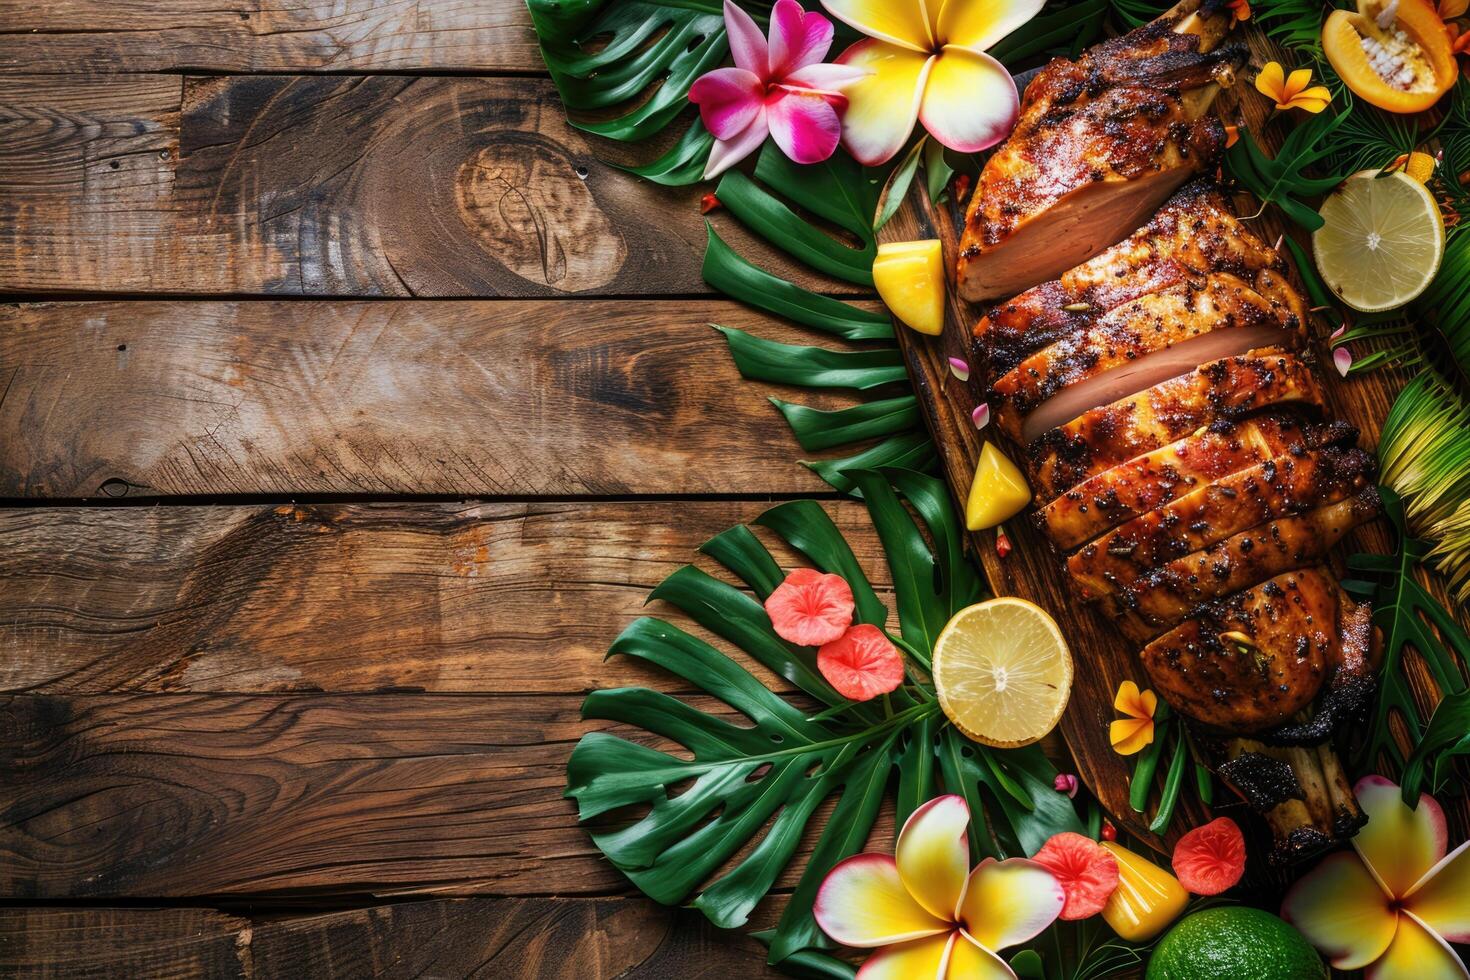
(999,491)
(910,280)
(1148,898)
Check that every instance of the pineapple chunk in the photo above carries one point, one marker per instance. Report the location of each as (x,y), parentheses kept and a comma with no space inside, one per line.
(999,491)
(1147,899)
(910,280)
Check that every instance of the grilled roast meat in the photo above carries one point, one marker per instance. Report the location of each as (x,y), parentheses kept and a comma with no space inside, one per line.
(1100,143)
(1168,416)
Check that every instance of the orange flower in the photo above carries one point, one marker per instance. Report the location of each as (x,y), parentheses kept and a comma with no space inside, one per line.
(1450,9)
(1292,92)
(1242,8)
(1131,734)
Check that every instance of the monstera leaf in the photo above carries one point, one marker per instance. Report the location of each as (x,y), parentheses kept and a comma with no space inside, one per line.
(763,776)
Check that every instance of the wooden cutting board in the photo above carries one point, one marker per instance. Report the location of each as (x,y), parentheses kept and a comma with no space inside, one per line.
(1032,569)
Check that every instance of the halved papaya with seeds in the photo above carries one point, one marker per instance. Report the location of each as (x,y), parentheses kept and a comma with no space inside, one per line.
(1396,54)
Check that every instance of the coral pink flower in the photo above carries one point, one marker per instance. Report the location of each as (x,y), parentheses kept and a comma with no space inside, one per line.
(1210,859)
(811,608)
(861,664)
(1086,871)
(780,88)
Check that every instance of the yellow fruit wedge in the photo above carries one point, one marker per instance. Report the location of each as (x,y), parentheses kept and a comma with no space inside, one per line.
(910,280)
(1382,241)
(1147,899)
(998,492)
(1002,671)
(1420,166)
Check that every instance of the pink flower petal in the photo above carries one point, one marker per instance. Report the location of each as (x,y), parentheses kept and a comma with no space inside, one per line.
(980,416)
(1398,844)
(1065,783)
(933,854)
(728,99)
(747,43)
(804,126)
(798,39)
(863,903)
(970,102)
(1339,331)
(1441,899)
(826,78)
(1342,359)
(1342,911)
(959,369)
(882,108)
(727,153)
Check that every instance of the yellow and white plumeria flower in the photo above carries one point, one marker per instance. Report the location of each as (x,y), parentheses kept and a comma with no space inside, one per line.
(929,64)
(1395,902)
(928,915)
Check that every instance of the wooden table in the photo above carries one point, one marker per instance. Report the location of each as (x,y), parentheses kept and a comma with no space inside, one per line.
(349,407)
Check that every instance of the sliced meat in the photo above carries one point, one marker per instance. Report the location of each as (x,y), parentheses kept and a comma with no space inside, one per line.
(1165,595)
(1252,661)
(1155,478)
(1139,344)
(1099,145)
(1284,485)
(1227,389)
(1193,234)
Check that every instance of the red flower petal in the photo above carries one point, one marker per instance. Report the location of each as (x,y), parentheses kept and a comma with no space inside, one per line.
(862,664)
(1087,873)
(1210,859)
(810,608)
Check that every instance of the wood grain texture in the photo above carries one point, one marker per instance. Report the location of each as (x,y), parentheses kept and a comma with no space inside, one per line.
(502,398)
(70,36)
(333,186)
(508,598)
(466,938)
(299,797)
(1104,658)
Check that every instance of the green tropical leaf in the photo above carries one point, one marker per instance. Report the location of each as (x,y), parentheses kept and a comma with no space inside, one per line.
(684,162)
(1283,179)
(817,429)
(642,46)
(911,450)
(1411,619)
(1447,735)
(739,279)
(835,191)
(813,367)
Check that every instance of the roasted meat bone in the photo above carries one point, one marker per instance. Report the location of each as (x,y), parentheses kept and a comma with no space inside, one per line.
(1100,143)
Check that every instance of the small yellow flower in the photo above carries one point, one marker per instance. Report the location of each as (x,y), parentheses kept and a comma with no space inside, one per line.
(1132,733)
(1293,92)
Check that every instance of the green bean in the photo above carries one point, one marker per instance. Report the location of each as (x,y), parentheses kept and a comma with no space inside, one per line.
(1171,786)
(1143,773)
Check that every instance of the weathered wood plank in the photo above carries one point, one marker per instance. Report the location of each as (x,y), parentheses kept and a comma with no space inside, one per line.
(572,938)
(503,398)
(332,185)
(71,36)
(100,944)
(521,598)
(297,797)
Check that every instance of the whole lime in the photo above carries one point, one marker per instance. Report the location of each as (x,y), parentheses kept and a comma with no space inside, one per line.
(1235,942)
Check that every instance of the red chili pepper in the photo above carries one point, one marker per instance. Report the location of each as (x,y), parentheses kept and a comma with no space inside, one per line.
(708,203)
(1002,544)
(1109,832)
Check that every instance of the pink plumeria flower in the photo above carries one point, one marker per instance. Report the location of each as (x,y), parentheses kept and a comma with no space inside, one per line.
(929,65)
(780,88)
(1394,902)
(927,914)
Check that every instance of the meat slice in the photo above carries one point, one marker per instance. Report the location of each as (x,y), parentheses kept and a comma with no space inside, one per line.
(1165,595)
(1227,389)
(1139,344)
(1193,234)
(1253,661)
(1099,145)
(1288,484)
(1155,478)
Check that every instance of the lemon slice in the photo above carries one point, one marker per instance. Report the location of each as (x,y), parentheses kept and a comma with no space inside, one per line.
(1003,672)
(1382,241)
